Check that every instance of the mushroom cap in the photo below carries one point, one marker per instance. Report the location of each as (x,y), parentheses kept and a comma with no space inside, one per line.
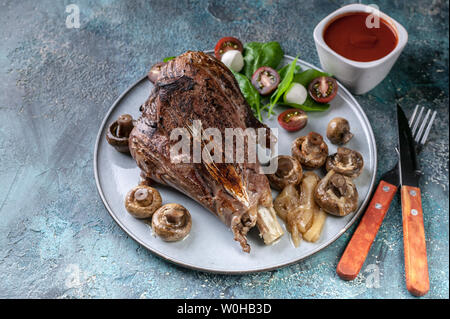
(338,131)
(346,162)
(172,222)
(118,132)
(142,201)
(311,150)
(336,194)
(289,171)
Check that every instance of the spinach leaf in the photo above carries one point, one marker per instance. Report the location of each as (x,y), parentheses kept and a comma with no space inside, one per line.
(283,86)
(305,77)
(257,54)
(250,93)
(308,106)
(169,58)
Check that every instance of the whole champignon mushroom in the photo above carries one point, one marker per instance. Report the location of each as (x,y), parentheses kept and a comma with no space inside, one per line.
(338,131)
(142,201)
(119,131)
(289,171)
(346,162)
(336,194)
(172,222)
(311,150)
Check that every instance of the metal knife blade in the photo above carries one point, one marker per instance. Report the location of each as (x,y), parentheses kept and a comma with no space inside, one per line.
(409,172)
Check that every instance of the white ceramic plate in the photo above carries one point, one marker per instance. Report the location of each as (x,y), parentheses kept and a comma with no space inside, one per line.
(210,245)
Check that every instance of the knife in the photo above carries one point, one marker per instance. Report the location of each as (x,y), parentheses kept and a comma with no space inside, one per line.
(416,265)
(357,249)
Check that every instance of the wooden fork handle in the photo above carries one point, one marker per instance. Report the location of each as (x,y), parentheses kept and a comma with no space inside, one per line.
(416,265)
(357,249)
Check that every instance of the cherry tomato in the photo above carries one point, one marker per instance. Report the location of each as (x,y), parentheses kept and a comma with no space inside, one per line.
(154,72)
(265,80)
(293,120)
(323,89)
(226,44)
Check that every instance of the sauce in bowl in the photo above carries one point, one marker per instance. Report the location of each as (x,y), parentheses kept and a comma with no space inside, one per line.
(349,36)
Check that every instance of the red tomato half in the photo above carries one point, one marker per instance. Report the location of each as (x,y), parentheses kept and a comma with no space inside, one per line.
(293,120)
(226,44)
(323,89)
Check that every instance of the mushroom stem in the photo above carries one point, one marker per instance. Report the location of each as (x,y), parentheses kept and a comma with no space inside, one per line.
(142,197)
(315,138)
(338,181)
(175,217)
(125,125)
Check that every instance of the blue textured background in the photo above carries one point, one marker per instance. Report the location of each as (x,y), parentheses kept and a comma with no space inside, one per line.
(56,238)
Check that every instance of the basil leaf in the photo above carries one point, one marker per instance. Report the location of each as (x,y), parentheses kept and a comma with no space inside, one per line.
(283,86)
(305,77)
(169,58)
(250,93)
(257,54)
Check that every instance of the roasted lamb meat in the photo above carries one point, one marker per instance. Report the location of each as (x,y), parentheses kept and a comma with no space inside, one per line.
(195,86)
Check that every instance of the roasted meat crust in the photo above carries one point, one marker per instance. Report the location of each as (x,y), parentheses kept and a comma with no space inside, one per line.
(195,86)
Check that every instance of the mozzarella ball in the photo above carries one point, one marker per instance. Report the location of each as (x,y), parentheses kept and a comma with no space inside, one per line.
(234,60)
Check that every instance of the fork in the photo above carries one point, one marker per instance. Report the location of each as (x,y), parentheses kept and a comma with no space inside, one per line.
(357,249)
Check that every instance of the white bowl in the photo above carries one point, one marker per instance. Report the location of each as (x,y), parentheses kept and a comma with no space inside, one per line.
(358,77)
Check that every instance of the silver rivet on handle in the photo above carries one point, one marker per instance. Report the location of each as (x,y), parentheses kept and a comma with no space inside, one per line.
(378,206)
(412,193)
(386,188)
(414,212)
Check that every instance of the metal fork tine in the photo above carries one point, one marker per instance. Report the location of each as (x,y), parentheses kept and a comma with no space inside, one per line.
(427,131)
(411,120)
(422,127)
(414,129)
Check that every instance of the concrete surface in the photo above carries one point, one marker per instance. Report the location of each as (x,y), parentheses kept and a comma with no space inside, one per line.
(56,238)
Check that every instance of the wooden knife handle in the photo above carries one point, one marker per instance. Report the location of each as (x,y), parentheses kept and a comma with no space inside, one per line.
(357,249)
(416,265)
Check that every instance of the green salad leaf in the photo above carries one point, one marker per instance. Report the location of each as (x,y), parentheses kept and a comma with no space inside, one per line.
(305,77)
(250,93)
(169,58)
(257,54)
(284,85)
(282,72)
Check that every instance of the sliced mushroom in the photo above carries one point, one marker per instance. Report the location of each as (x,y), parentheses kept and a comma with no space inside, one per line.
(286,201)
(142,201)
(346,162)
(311,150)
(289,171)
(336,194)
(119,131)
(338,131)
(172,222)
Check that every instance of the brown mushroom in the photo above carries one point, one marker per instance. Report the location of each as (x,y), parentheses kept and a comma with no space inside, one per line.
(311,150)
(142,201)
(336,194)
(289,171)
(119,131)
(346,162)
(338,131)
(172,222)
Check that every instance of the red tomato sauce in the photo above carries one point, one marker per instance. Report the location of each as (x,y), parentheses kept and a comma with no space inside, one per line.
(349,36)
